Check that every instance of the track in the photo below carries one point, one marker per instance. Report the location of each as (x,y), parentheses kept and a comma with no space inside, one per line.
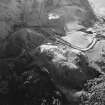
(56,38)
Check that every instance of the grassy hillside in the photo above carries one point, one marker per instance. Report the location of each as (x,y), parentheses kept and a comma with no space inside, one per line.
(35,12)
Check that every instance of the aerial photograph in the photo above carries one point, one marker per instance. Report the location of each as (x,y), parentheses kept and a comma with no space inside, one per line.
(52,52)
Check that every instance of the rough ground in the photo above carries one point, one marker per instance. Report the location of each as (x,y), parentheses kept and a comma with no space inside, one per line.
(32,71)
